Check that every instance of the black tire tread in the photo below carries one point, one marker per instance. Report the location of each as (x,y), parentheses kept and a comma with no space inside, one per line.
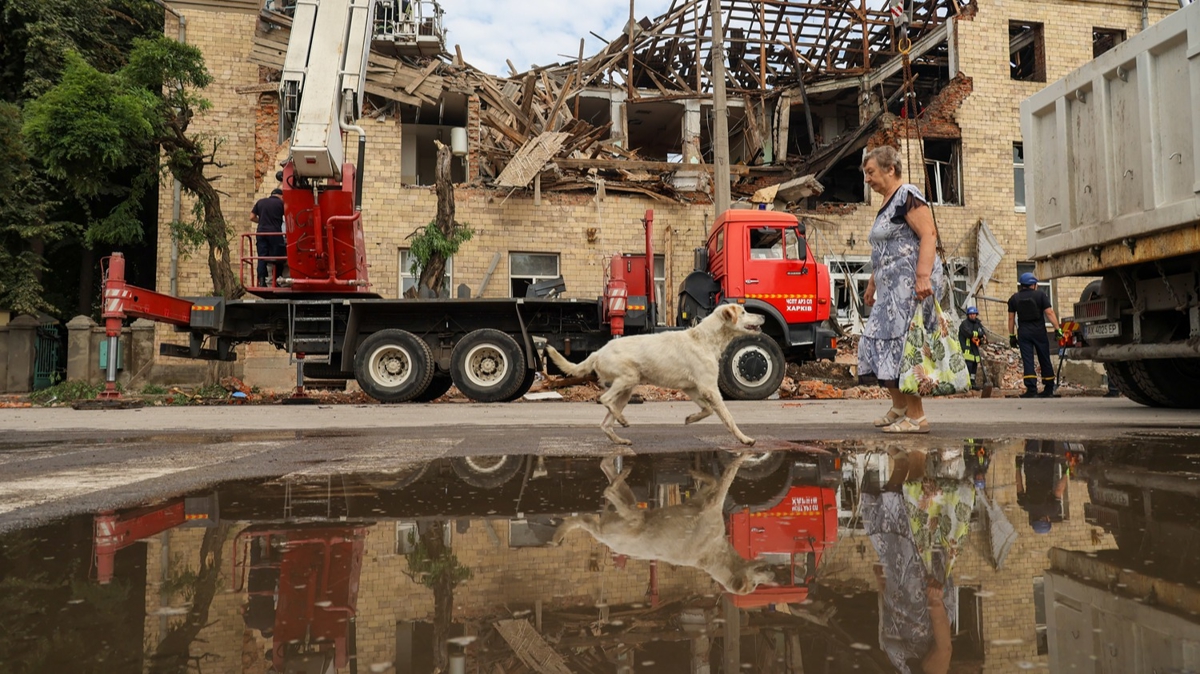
(1125,383)
(489,480)
(424,376)
(728,385)
(517,361)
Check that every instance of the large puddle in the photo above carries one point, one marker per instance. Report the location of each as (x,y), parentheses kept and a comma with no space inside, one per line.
(981,555)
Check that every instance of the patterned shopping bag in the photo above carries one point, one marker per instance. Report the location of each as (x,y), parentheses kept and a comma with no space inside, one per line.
(932,363)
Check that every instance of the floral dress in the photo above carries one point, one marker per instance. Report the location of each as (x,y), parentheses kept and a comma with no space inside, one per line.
(895,248)
(916,533)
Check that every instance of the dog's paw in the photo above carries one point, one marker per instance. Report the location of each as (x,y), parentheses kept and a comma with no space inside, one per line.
(621,420)
(749,442)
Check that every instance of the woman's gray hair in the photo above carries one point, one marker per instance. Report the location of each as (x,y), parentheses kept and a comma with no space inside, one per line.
(886,157)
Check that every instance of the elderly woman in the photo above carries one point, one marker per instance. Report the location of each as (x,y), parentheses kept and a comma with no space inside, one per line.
(904,271)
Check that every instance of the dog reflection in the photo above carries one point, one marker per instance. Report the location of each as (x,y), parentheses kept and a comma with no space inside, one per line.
(689,534)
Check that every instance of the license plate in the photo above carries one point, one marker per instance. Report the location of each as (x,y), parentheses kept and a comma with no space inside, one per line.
(1102,330)
(1112,497)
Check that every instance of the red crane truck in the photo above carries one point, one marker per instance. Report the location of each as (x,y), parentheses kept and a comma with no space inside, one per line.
(400,350)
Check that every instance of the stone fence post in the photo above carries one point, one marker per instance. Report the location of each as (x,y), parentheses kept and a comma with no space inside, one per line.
(22,352)
(79,348)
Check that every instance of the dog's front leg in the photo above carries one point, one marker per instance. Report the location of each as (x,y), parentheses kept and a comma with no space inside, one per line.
(714,399)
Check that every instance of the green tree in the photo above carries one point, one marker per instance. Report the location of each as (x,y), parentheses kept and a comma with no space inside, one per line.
(23,218)
(43,225)
(93,125)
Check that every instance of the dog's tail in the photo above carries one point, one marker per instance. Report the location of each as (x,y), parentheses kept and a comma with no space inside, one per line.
(571,369)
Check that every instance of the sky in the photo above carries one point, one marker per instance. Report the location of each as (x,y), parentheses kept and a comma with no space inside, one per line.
(540,32)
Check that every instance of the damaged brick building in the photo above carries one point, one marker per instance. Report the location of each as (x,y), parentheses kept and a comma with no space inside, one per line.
(560,162)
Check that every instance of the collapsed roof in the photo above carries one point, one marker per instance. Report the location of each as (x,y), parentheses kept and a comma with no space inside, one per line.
(558,120)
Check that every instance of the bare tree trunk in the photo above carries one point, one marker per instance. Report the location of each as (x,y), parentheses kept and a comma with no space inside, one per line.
(435,269)
(188,160)
(173,654)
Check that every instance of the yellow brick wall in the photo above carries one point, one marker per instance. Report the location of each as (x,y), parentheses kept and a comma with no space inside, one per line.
(990,122)
(506,223)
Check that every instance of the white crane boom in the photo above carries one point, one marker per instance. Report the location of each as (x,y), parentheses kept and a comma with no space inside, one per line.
(322,88)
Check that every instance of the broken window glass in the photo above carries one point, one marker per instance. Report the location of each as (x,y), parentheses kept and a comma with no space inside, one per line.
(943,174)
(1026,51)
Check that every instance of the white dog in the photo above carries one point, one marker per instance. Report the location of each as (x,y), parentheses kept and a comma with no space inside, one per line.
(687,360)
(689,534)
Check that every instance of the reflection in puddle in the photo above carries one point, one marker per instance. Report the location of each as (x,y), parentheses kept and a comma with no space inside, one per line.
(1012,553)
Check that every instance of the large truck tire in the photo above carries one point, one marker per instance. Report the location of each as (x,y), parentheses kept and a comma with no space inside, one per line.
(487,365)
(436,389)
(1122,378)
(757,466)
(1175,380)
(487,472)
(752,368)
(526,384)
(393,366)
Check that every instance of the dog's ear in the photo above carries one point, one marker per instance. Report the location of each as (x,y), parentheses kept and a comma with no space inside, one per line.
(733,312)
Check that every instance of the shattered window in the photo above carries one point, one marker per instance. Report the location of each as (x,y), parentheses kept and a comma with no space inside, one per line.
(1026,52)
(525,269)
(1104,39)
(943,172)
(1019,176)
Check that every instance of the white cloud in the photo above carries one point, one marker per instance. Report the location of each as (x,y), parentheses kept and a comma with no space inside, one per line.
(541,32)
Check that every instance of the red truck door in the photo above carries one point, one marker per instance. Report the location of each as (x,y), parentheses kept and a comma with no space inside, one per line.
(778,272)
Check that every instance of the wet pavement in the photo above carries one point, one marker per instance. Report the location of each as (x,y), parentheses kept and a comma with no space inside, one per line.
(972,555)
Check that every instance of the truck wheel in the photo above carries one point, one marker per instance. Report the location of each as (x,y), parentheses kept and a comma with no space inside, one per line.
(1120,376)
(436,389)
(1144,380)
(1176,380)
(756,466)
(526,384)
(486,472)
(752,368)
(393,366)
(487,365)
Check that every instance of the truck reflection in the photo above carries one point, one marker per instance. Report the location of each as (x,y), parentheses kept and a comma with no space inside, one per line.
(1132,608)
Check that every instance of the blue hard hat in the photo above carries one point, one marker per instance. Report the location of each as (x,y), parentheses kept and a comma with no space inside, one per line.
(972,310)
(1041,527)
(1027,279)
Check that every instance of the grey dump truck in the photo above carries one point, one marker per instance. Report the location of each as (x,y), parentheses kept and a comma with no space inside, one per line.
(1112,180)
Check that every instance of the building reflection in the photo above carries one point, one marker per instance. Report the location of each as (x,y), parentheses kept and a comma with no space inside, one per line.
(450,563)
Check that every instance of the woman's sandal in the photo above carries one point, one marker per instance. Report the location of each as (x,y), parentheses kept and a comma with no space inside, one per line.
(895,414)
(907,425)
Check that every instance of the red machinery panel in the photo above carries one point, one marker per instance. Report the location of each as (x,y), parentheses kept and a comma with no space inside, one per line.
(798,529)
(326,249)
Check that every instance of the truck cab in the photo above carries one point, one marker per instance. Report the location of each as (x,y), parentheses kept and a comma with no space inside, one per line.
(791,536)
(761,260)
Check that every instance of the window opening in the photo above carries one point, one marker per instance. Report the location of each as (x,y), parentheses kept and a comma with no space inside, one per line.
(408,279)
(943,172)
(525,269)
(1104,39)
(1026,52)
(1019,177)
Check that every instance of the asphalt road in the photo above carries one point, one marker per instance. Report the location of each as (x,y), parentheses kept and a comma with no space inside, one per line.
(58,462)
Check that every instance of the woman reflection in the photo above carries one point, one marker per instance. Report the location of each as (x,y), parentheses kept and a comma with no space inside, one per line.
(915,523)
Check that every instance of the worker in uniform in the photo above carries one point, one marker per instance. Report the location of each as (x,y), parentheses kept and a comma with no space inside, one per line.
(970,337)
(268,213)
(1042,475)
(1028,311)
